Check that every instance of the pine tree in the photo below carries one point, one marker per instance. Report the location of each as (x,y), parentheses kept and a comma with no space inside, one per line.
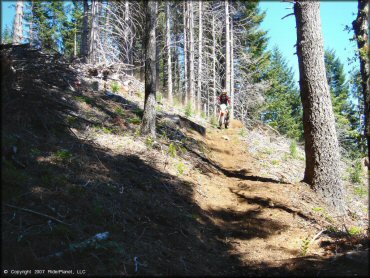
(321,144)
(7,35)
(343,109)
(283,109)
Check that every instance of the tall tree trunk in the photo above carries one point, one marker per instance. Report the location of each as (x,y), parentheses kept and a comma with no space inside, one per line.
(93,31)
(214,65)
(191,93)
(321,143)
(200,54)
(169,61)
(18,23)
(227,68)
(186,20)
(85,32)
(232,68)
(148,122)
(360,26)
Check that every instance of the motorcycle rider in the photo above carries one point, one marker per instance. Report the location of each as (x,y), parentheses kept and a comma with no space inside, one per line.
(224,99)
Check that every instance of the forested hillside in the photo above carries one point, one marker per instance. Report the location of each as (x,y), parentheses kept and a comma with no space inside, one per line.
(115,160)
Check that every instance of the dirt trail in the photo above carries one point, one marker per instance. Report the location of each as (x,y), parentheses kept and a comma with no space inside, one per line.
(254,211)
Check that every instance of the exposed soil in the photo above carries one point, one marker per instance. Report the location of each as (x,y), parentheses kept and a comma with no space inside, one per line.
(205,210)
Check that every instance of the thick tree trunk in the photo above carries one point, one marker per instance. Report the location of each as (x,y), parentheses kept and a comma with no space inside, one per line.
(18,23)
(85,32)
(169,61)
(200,54)
(360,26)
(148,122)
(191,93)
(321,144)
(227,54)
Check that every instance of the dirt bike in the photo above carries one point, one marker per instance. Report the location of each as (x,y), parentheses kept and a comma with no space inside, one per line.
(223,116)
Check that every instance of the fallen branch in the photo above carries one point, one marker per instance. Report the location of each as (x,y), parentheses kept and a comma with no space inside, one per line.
(82,245)
(37,213)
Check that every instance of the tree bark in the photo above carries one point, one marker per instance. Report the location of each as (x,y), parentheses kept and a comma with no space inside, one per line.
(321,144)
(227,66)
(191,94)
(85,32)
(200,61)
(148,123)
(93,31)
(360,26)
(169,61)
(18,23)
(232,97)
(185,52)
(214,65)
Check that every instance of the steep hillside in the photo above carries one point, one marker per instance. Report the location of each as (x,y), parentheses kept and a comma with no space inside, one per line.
(82,190)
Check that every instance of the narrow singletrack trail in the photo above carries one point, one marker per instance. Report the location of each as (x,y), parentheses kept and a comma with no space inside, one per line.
(253,212)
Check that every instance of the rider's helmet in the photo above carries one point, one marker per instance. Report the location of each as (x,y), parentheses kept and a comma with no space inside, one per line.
(224,92)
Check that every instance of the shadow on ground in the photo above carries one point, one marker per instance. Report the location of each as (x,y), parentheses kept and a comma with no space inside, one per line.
(70,190)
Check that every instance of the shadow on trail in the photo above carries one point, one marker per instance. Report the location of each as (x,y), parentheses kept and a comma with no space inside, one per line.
(241,174)
(155,226)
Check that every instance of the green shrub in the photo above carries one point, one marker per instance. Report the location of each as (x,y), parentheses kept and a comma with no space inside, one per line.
(120,111)
(180,168)
(85,99)
(63,155)
(354,231)
(355,172)
(189,110)
(159,97)
(172,150)
(361,191)
(304,246)
(243,132)
(115,87)
(203,115)
(149,142)
(293,149)
(135,120)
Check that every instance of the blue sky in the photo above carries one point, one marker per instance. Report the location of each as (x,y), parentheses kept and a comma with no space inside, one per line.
(335,15)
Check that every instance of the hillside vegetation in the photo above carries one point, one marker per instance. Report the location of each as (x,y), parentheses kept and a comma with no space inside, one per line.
(83,190)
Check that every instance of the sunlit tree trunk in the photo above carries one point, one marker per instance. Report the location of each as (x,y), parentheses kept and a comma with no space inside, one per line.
(232,68)
(85,31)
(169,61)
(200,54)
(191,93)
(214,65)
(321,144)
(18,23)
(227,54)
(186,20)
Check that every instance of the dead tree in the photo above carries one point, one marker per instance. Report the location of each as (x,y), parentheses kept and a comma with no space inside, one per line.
(169,61)
(18,23)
